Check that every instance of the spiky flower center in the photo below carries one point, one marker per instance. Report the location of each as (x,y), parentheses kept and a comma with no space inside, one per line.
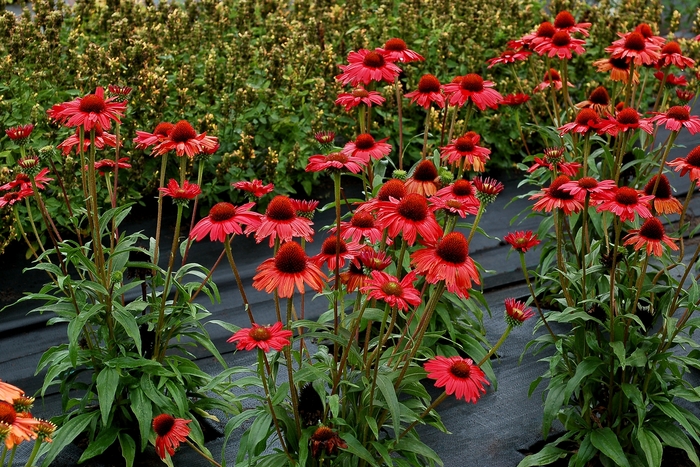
(222,212)
(331,247)
(645,30)
(555,190)
(413,207)
(324,137)
(627,196)
(163,423)
(290,258)
(425,172)
(395,45)
(561,39)
(8,415)
(163,129)
(678,112)
(182,132)
(600,96)
(671,48)
(635,41)
(280,209)
(92,103)
(564,20)
(373,60)
(652,229)
(360,92)
(552,75)
(588,183)
(554,155)
(462,188)
(392,188)
(628,116)
(362,220)
(364,142)
(546,29)
(453,248)
(337,157)
(663,190)
(260,333)
(619,63)
(428,83)
(461,369)
(693,157)
(464,144)
(472,82)
(585,116)
(392,288)
(323,433)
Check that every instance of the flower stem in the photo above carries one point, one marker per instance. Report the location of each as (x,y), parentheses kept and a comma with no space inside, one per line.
(425,133)
(482,208)
(239,282)
(495,347)
(159,221)
(534,297)
(201,453)
(32,456)
(399,105)
(430,408)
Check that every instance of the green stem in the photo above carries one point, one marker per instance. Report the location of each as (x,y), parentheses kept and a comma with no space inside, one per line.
(495,347)
(432,407)
(268,397)
(425,133)
(32,456)
(482,208)
(201,453)
(399,104)
(239,282)
(534,297)
(159,221)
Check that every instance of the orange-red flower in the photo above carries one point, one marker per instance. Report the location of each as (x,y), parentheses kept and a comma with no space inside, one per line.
(365,66)
(515,99)
(460,376)
(8,392)
(358,96)
(598,100)
(509,56)
(424,179)
(625,202)
(396,50)
(626,119)
(522,240)
(466,150)
(289,268)
(361,226)
(265,338)
(677,117)
(20,425)
(331,251)
(409,217)
(461,190)
(23,181)
(560,45)
(108,165)
(671,54)
(487,189)
(551,78)
(336,161)
(281,221)
(619,69)
(325,440)
(664,202)
(688,164)
(182,193)
(650,237)
(89,111)
(10,198)
(565,21)
(588,186)
(184,140)
(170,432)
(428,92)
(586,121)
(396,293)
(20,133)
(633,46)
(254,187)
(472,87)
(516,312)
(365,147)
(555,197)
(225,218)
(145,139)
(102,139)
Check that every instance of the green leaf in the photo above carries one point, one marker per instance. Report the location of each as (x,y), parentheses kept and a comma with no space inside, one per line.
(107,382)
(651,447)
(334,404)
(583,369)
(418,447)
(65,435)
(259,431)
(104,440)
(372,425)
(143,409)
(128,322)
(553,402)
(387,389)
(675,437)
(606,442)
(356,448)
(128,449)
(547,455)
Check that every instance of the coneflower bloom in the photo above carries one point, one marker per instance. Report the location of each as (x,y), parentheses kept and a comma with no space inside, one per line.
(393,188)
(598,100)
(358,96)
(361,226)
(225,218)
(472,87)
(181,194)
(325,138)
(560,45)
(516,312)
(671,54)
(633,46)
(170,432)
(676,118)
(145,139)
(305,207)
(20,133)
(44,430)
(685,95)
(22,181)
(619,69)
(424,179)
(522,240)
(428,92)
(586,121)
(21,426)
(325,440)
(509,56)
(454,206)
(185,141)
(281,221)
(564,21)
(555,197)
(89,111)
(461,190)
(365,147)
(362,266)
(447,259)
(9,392)
(409,217)
(365,66)
(108,165)
(664,202)
(515,99)
(254,187)
(336,161)
(460,376)
(396,293)
(588,186)
(671,79)
(102,139)
(650,237)
(626,119)
(289,268)
(551,78)
(625,202)
(554,159)
(265,338)
(120,93)
(688,164)
(12,197)
(487,189)
(466,150)
(645,30)
(544,31)
(396,50)
(331,249)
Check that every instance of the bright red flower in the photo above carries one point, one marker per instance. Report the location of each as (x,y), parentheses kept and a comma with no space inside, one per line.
(517,312)
(472,87)
(330,250)
(633,46)
(685,95)
(561,45)
(170,432)
(145,139)
(182,193)
(367,261)
(648,34)
(120,93)
(281,221)
(664,202)
(487,189)
(429,92)
(361,226)
(254,187)
(409,216)
(586,121)
(11,197)
(544,31)
(454,206)
(688,164)
(522,241)
(365,66)
(22,181)
(565,21)
(509,56)
(650,236)
(424,179)
(671,54)
(461,190)
(289,268)
(20,425)
(551,78)
(396,50)
(466,149)
(588,186)
(359,96)
(387,288)
(365,147)
(102,139)
(626,119)
(515,99)
(676,118)
(460,376)
(671,79)
(336,161)
(325,440)
(325,138)
(185,141)
(618,67)
(20,133)
(225,218)
(598,100)
(393,188)
(305,207)
(108,165)
(89,111)
(555,197)
(261,337)
(625,202)
(447,259)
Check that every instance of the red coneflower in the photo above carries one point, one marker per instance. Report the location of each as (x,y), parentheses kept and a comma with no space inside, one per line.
(454,206)
(461,190)
(509,56)
(671,54)
(22,181)
(551,78)
(359,96)
(671,79)
(460,376)
(289,268)
(325,138)
(409,216)
(365,147)
(448,260)
(170,432)
(396,50)
(424,179)
(102,139)
(619,69)
(181,194)
(396,293)
(393,188)
(633,46)
(20,425)
(185,141)
(225,218)
(120,93)
(305,207)
(626,119)
(586,121)
(89,111)
(664,201)
(367,261)
(487,189)
(515,99)
(564,21)
(472,87)
(650,236)
(336,161)
(522,240)
(11,197)
(645,30)
(361,226)
(544,31)
(688,164)
(429,92)
(108,165)
(254,187)
(20,133)
(685,95)
(331,249)
(466,149)
(281,221)
(588,186)
(560,45)
(555,197)
(325,440)
(9,392)
(676,118)
(44,430)
(516,312)
(598,100)
(625,202)
(145,139)
(365,66)
(265,338)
